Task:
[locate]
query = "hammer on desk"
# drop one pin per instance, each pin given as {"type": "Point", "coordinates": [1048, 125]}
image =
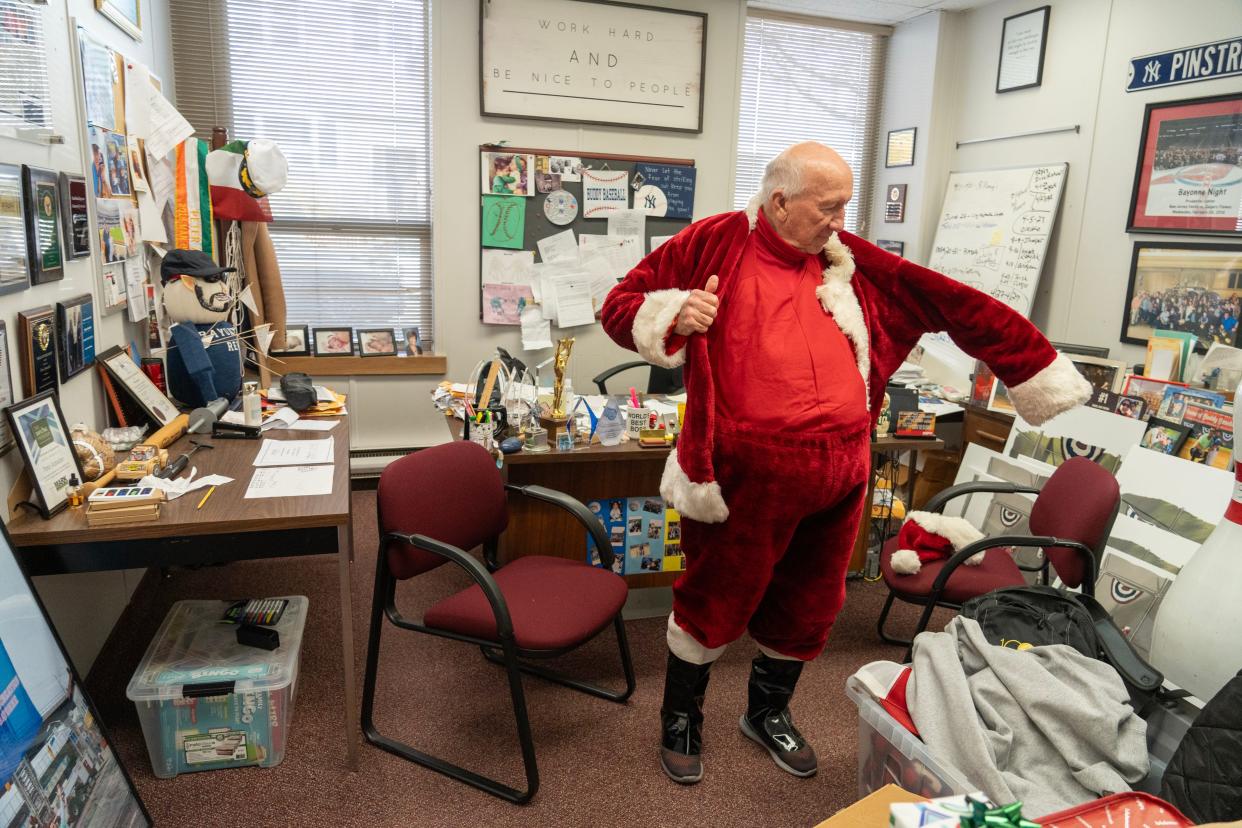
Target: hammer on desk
{"type": "Point", "coordinates": [177, 466]}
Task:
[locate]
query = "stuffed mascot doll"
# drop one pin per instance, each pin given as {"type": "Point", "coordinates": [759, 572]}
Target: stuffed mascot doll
{"type": "Point", "coordinates": [204, 358]}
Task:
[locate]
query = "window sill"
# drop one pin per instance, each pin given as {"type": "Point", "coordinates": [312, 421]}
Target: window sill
{"type": "Point", "coordinates": [346, 366]}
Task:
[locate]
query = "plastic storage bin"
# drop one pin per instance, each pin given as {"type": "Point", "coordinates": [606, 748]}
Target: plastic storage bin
{"type": "Point", "coordinates": [887, 752]}
{"type": "Point", "coordinates": [207, 702]}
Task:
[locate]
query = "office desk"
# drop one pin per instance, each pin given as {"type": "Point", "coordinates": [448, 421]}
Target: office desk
{"type": "Point", "coordinates": [227, 528]}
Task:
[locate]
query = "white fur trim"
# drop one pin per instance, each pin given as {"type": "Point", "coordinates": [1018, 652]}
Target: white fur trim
{"type": "Point", "coordinates": [752, 209]}
{"type": "Point", "coordinates": [957, 531]}
{"type": "Point", "coordinates": [687, 648]}
{"type": "Point", "coordinates": [770, 653]}
{"type": "Point", "coordinates": [652, 323]}
{"type": "Point", "coordinates": [703, 502]}
{"type": "Point", "coordinates": [836, 296]}
{"type": "Point", "coordinates": [1055, 389]}
{"type": "Point", "coordinates": [906, 562]}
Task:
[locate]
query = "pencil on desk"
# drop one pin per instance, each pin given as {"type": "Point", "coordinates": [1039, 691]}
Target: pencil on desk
{"type": "Point", "coordinates": [204, 500]}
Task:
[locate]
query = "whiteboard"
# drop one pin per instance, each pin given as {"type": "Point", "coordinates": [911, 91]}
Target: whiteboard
{"type": "Point", "coordinates": [994, 229]}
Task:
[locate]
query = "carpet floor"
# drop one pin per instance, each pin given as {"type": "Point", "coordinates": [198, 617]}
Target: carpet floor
{"type": "Point", "coordinates": [597, 760]}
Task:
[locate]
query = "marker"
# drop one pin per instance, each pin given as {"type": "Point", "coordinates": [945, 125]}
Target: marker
{"type": "Point", "coordinates": [633, 397]}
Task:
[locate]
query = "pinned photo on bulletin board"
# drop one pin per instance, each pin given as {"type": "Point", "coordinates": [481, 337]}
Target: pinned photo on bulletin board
{"type": "Point", "coordinates": [507, 173]}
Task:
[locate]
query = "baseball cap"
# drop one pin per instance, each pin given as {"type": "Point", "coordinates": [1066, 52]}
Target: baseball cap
{"type": "Point", "coordinates": [190, 263]}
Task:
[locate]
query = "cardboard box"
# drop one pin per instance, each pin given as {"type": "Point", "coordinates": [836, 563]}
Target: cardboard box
{"type": "Point", "coordinates": [871, 810]}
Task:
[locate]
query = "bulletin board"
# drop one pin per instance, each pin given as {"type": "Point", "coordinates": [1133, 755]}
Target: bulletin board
{"type": "Point", "coordinates": [676, 175]}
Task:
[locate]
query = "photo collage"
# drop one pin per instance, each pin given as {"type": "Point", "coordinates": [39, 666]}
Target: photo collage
{"type": "Point", "coordinates": [645, 535]}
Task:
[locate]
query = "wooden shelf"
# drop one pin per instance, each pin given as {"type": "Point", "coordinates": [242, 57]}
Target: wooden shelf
{"type": "Point", "coordinates": [347, 366]}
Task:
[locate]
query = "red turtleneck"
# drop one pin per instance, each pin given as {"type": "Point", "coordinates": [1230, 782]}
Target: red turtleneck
{"type": "Point", "coordinates": [779, 360]}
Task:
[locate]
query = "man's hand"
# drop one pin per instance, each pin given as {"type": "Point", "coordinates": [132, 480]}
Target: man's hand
{"type": "Point", "coordinates": [699, 312]}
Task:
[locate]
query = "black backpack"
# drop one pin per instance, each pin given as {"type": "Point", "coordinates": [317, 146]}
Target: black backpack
{"type": "Point", "coordinates": [1204, 777]}
{"type": "Point", "coordinates": [1022, 616]}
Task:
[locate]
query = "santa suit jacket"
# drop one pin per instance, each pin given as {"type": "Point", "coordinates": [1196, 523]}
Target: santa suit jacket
{"type": "Point", "coordinates": [882, 303]}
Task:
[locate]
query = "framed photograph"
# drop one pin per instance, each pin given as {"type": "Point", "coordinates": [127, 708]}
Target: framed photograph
{"type": "Point", "coordinates": [1186, 179]}
{"type": "Point", "coordinates": [126, 14]}
{"type": "Point", "coordinates": [377, 342]}
{"type": "Point", "coordinates": [57, 763]}
{"type": "Point", "coordinates": [899, 151]}
{"type": "Point", "coordinates": [334, 342]}
{"type": "Point", "coordinates": [1164, 436]}
{"type": "Point", "coordinates": [1023, 38]}
{"type": "Point", "coordinates": [74, 217]}
{"type": "Point", "coordinates": [36, 349]}
{"type": "Point", "coordinates": [1187, 287]}
{"type": "Point", "coordinates": [1151, 391]}
{"type": "Point", "coordinates": [14, 257]}
{"type": "Point", "coordinates": [897, 248]}
{"type": "Point", "coordinates": [297, 341]}
{"type": "Point", "coordinates": [40, 431]}
{"type": "Point", "coordinates": [75, 335]}
{"type": "Point", "coordinates": [999, 399]}
{"type": "Point", "coordinates": [42, 196]}
{"type": "Point", "coordinates": [131, 379]}
{"type": "Point", "coordinates": [413, 342]}
{"type": "Point", "coordinates": [895, 204]}
{"type": "Point", "coordinates": [593, 62]}
{"type": "Point", "coordinates": [1103, 374]}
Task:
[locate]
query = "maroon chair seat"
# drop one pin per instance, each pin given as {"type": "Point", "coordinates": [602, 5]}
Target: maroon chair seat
{"type": "Point", "coordinates": [997, 570]}
{"type": "Point", "coordinates": [554, 603]}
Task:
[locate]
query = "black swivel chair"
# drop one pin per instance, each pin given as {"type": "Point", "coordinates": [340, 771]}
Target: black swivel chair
{"type": "Point", "coordinates": [659, 381]}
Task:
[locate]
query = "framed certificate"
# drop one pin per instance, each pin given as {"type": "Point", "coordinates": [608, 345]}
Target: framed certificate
{"type": "Point", "coordinates": [134, 381]}
{"type": "Point", "coordinates": [47, 255]}
{"type": "Point", "coordinates": [14, 258]}
{"type": "Point", "coordinates": [39, 428]}
{"type": "Point", "coordinates": [899, 151]}
{"type": "Point", "coordinates": [1023, 37]}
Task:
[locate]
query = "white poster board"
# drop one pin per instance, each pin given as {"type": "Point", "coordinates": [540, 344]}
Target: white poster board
{"type": "Point", "coordinates": [599, 63]}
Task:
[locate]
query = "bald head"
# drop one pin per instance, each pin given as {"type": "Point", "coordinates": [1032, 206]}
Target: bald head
{"type": "Point", "coordinates": [804, 193]}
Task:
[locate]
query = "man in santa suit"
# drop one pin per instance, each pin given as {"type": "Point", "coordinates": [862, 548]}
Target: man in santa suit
{"type": "Point", "coordinates": [789, 328]}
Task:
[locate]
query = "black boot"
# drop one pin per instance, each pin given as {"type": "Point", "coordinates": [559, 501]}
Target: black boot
{"type": "Point", "coordinates": [681, 720]}
{"type": "Point", "coordinates": [767, 720]}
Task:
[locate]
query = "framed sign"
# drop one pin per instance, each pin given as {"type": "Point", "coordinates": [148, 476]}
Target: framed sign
{"type": "Point", "coordinates": [120, 367]}
{"type": "Point", "coordinates": [126, 14]}
{"type": "Point", "coordinates": [593, 62]}
{"type": "Point", "coordinates": [74, 217]}
{"type": "Point", "coordinates": [897, 248]}
{"type": "Point", "coordinates": [75, 335]}
{"type": "Point", "coordinates": [14, 258]}
{"type": "Point", "coordinates": [46, 253]}
{"type": "Point", "coordinates": [895, 204]}
{"type": "Point", "coordinates": [1186, 287]}
{"type": "Point", "coordinates": [1023, 38]}
{"type": "Point", "coordinates": [900, 148]}
{"type": "Point", "coordinates": [1189, 173]}
{"type": "Point", "coordinates": [36, 343]}
{"type": "Point", "coordinates": [40, 431]}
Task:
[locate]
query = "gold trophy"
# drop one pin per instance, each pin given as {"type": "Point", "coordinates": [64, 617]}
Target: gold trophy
{"type": "Point", "coordinates": [556, 417]}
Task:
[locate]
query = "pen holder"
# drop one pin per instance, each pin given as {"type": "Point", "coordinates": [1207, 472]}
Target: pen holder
{"type": "Point", "coordinates": [481, 433]}
{"type": "Point", "coordinates": [637, 421]}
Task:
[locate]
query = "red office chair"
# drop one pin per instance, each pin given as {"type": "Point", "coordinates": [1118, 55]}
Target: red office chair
{"type": "Point", "coordinates": [434, 505]}
{"type": "Point", "coordinates": [1071, 519]}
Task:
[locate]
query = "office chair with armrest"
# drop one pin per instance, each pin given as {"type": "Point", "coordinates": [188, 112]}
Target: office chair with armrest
{"type": "Point", "coordinates": [435, 504]}
{"type": "Point", "coordinates": [1071, 520]}
{"type": "Point", "coordinates": [659, 381]}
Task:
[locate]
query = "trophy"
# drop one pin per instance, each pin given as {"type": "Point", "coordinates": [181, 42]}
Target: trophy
{"type": "Point", "coordinates": [556, 417]}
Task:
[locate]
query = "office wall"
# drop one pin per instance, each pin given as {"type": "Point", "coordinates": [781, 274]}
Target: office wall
{"type": "Point", "coordinates": [83, 607]}
{"type": "Point", "coordinates": [396, 411]}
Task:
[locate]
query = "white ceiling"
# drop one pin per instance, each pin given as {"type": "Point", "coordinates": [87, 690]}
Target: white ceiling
{"type": "Point", "coordinates": [868, 11]}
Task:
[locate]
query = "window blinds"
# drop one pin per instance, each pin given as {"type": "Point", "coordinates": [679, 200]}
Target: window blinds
{"type": "Point", "coordinates": [344, 89]}
{"type": "Point", "coordinates": [24, 95]}
{"type": "Point", "coordinates": [803, 80]}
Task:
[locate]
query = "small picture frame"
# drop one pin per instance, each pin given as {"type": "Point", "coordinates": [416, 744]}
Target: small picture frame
{"type": "Point", "coordinates": [1164, 436]}
{"type": "Point", "coordinates": [999, 401]}
{"type": "Point", "coordinates": [897, 248]}
{"type": "Point", "coordinates": [1103, 374]}
{"type": "Point", "coordinates": [39, 428]}
{"type": "Point", "coordinates": [895, 204]}
{"type": "Point", "coordinates": [122, 370]}
{"type": "Point", "coordinates": [126, 14]}
{"type": "Point", "coordinates": [373, 342]}
{"type": "Point", "coordinates": [42, 199]}
{"type": "Point", "coordinates": [297, 341]}
{"type": "Point", "coordinates": [334, 342]}
{"type": "Point", "coordinates": [75, 335]}
{"type": "Point", "coordinates": [74, 216]}
{"type": "Point", "coordinates": [413, 342]}
{"type": "Point", "coordinates": [14, 241]}
{"type": "Point", "coordinates": [899, 149]}
{"type": "Point", "coordinates": [1021, 61]}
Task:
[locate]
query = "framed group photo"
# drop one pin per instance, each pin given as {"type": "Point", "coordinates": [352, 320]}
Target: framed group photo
{"type": "Point", "coordinates": [1188, 287]}
{"type": "Point", "coordinates": [1188, 178]}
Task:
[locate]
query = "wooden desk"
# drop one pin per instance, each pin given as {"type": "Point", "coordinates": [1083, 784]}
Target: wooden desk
{"type": "Point", "coordinates": [228, 528]}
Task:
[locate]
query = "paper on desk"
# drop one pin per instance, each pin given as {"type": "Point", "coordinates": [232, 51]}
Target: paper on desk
{"type": "Point", "coordinates": [627, 223]}
{"type": "Point", "coordinates": [290, 481]}
{"type": "Point", "coordinates": [656, 241]}
{"type": "Point", "coordinates": [573, 301]}
{"type": "Point", "coordinates": [295, 452]}
{"type": "Point", "coordinates": [508, 267]}
{"type": "Point", "coordinates": [536, 331]}
{"type": "Point", "coordinates": [559, 247]}
{"type": "Point", "coordinates": [167, 126]}
{"type": "Point", "coordinates": [322, 394]}
{"type": "Point", "coordinates": [175, 488]}
{"type": "Point", "coordinates": [281, 418]}
{"type": "Point", "coordinates": [311, 425]}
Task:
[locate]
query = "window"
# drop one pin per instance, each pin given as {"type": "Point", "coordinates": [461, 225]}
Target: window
{"type": "Point", "coordinates": [24, 96]}
{"type": "Point", "coordinates": [805, 80]}
{"type": "Point", "coordinates": [344, 88]}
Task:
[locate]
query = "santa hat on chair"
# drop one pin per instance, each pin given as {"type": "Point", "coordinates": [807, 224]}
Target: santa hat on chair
{"type": "Point", "coordinates": [928, 536]}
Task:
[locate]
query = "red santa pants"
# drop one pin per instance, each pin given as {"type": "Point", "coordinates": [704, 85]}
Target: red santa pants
{"type": "Point", "coordinates": [777, 566]}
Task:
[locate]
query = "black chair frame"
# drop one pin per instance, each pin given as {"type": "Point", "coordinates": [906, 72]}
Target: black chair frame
{"type": "Point", "coordinates": [933, 599]}
{"type": "Point", "coordinates": [659, 380]}
{"type": "Point", "coordinates": [503, 651]}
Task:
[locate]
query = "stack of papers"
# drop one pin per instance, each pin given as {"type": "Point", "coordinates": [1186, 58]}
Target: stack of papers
{"type": "Point", "coordinates": [293, 468]}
